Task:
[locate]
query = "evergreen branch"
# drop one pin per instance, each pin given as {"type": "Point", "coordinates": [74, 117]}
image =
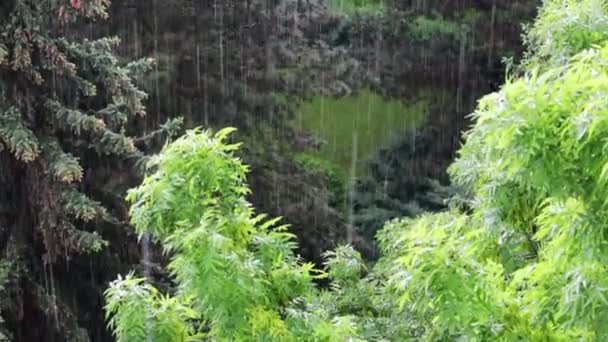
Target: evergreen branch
{"type": "Point", "coordinates": [54, 59]}
{"type": "Point", "coordinates": [81, 241]}
{"type": "Point", "coordinates": [131, 97]}
{"type": "Point", "coordinates": [114, 143]}
{"type": "Point", "coordinates": [74, 120]}
{"type": "Point", "coordinates": [80, 206]}
{"type": "Point", "coordinates": [113, 115]}
{"type": "Point", "coordinates": [170, 128]}
{"type": "Point", "coordinates": [19, 139]}
{"type": "Point", "coordinates": [64, 166]}
{"type": "Point", "coordinates": [106, 70]}
{"type": "Point", "coordinates": [86, 87]}
{"type": "Point", "coordinates": [140, 67]}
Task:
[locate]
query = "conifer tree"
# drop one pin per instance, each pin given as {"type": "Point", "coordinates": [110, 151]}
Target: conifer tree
{"type": "Point", "coordinates": [65, 108]}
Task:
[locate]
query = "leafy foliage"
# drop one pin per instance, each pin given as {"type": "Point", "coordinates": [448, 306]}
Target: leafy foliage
{"type": "Point", "coordinates": [235, 270]}
{"type": "Point", "coordinates": [146, 314]}
{"type": "Point", "coordinates": [572, 26]}
{"type": "Point", "coordinates": [527, 262]}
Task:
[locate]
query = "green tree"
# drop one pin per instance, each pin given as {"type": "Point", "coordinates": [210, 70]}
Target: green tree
{"type": "Point", "coordinates": [237, 276]}
{"type": "Point", "coordinates": [65, 108]}
{"type": "Point", "coordinates": [528, 262]}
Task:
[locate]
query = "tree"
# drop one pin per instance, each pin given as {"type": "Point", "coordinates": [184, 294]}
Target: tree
{"type": "Point", "coordinates": [528, 261]}
{"type": "Point", "coordinates": [65, 108]}
{"type": "Point", "coordinates": [237, 276]}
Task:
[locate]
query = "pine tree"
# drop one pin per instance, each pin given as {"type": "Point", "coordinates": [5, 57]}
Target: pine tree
{"type": "Point", "coordinates": [65, 108]}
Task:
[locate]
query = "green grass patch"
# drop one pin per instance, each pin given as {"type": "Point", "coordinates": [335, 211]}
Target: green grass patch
{"type": "Point", "coordinates": [365, 118]}
{"type": "Point", "coordinates": [356, 6]}
{"type": "Point", "coordinates": [426, 29]}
